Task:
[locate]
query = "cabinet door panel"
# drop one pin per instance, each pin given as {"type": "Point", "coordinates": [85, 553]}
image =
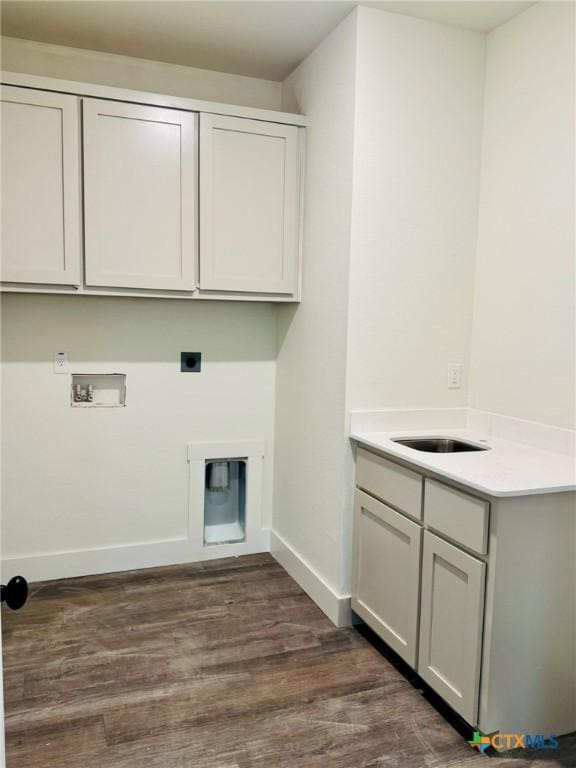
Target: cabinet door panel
{"type": "Point", "coordinates": [40, 187]}
{"type": "Point", "coordinates": [386, 573]}
{"type": "Point", "coordinates": [451, 620]}
{"type": "Point", "coordinates": [249, 205]}
{"type": "Point", "coordinates": [139, 180]}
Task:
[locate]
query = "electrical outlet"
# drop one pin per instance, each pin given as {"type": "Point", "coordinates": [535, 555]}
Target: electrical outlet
{"type": "Point", "coordinates": [454, 375]}
{"type": "Point", "coordinates": [61, 363]}
{"type": "Point", "coordinates": [190, 362]}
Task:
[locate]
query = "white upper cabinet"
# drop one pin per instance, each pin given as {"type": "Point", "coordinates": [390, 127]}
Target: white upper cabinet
{"type": "Point", "coordinates": [249, 206]}
{"type": "Point", "coordinates": [139, 196]}
{"type": "Point", "coordinates": [104, 195]}
{"type": "Point", "coordinates": [40, 188]}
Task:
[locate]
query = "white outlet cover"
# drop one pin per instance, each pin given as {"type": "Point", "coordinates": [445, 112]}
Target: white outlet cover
{"type": "Point", "coordinates": [61, 363]}
{"type": "Point", "coordinates": [454, 375]}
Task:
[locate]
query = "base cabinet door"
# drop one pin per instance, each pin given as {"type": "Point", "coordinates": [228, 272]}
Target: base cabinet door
{"type": "Point", "coordinates": [40, 187]}
{"type": "Point", "coordinates": [386, 573]}
{"type": "Point", "coordinates": [249, 205]}
{"type": "Point", "coordinates": [451, 620]}
{"type": "Point", "coordinates": [139, 196]}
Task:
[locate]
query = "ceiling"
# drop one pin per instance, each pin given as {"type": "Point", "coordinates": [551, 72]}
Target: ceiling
{"type": "Point", "coordinates": [259, 39]}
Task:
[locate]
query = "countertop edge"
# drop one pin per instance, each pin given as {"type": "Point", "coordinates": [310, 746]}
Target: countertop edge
{"type": "Point", "coordinates": [440, 472]}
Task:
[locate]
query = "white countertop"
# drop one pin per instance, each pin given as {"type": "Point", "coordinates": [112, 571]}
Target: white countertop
{"type": "Point", "coordinates": [507, 469]}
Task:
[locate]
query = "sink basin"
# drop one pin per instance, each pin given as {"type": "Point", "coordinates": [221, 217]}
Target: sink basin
{"type": "Point", "coordinates": [438, 444]}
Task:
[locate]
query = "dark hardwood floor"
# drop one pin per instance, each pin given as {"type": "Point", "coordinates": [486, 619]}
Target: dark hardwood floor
{"type": "Point", "coordinates": [226, 664]}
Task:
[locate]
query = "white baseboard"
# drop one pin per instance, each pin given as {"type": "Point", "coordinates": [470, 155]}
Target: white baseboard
{"type": "Point", "coordinates": [63, 565]}
{"type": "Point", "coordinates": [336, 607]}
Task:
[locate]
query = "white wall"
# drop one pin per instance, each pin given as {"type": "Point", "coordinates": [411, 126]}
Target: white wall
{"type": "Point", "coordinates": [393, 155]}
{"type": "Point", "coordinates": [77, 479]}
{"type": "Point", "coordinates": [313, 477]}
{"type": "Point", "coordinates": [395, 110]}
{"type": "Point", "coordinates": [66, 63]}
{"type": "Point", "coordinates": [419, 88]}
{"type": "Point", "coordinates": [524, 341]}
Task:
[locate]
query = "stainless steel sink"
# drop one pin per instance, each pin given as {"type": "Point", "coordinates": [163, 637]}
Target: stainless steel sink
{"type": "Point", "coordinates": [439, 444]}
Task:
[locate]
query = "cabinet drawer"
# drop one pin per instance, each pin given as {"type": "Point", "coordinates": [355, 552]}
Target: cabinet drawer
{"type": "Point", "coordinates": [461, 517]}
{"type": "Point", "coordinates": [390, 482]}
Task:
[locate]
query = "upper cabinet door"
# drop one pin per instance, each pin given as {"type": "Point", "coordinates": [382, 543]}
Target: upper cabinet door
{"type": "Point", "coordinates": [249, 205]}
{"type": "Point", "coordinates": [40, 187]}
{"type": "Point", "coordinates": [139, 196]}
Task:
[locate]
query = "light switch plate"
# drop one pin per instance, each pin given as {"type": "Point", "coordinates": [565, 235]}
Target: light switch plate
{"type": "Point", "coordinates": [454, 375]}
{"type": "Point", "coordinates": [61, 363]}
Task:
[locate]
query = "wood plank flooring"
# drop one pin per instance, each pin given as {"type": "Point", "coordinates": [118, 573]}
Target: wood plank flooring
{"type": "Point", "coordinates": [225, 664]}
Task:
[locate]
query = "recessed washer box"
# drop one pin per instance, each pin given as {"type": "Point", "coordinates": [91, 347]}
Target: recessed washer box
{"type": "Point", "coordinates": [98, 390]}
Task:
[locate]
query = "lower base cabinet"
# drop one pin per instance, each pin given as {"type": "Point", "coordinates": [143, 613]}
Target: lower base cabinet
{"type": "Point", "coordinates": [386, 574]}
{"type": "Point", "coordinates": [475, 593]}
{"type": "Point", "coordinates": [451, 619]}
{"type": "Point", "coordinates": [424, 597]}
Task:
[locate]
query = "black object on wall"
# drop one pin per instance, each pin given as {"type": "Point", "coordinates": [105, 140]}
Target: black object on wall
{"type": "Point", "coordinates": [190, 362]}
